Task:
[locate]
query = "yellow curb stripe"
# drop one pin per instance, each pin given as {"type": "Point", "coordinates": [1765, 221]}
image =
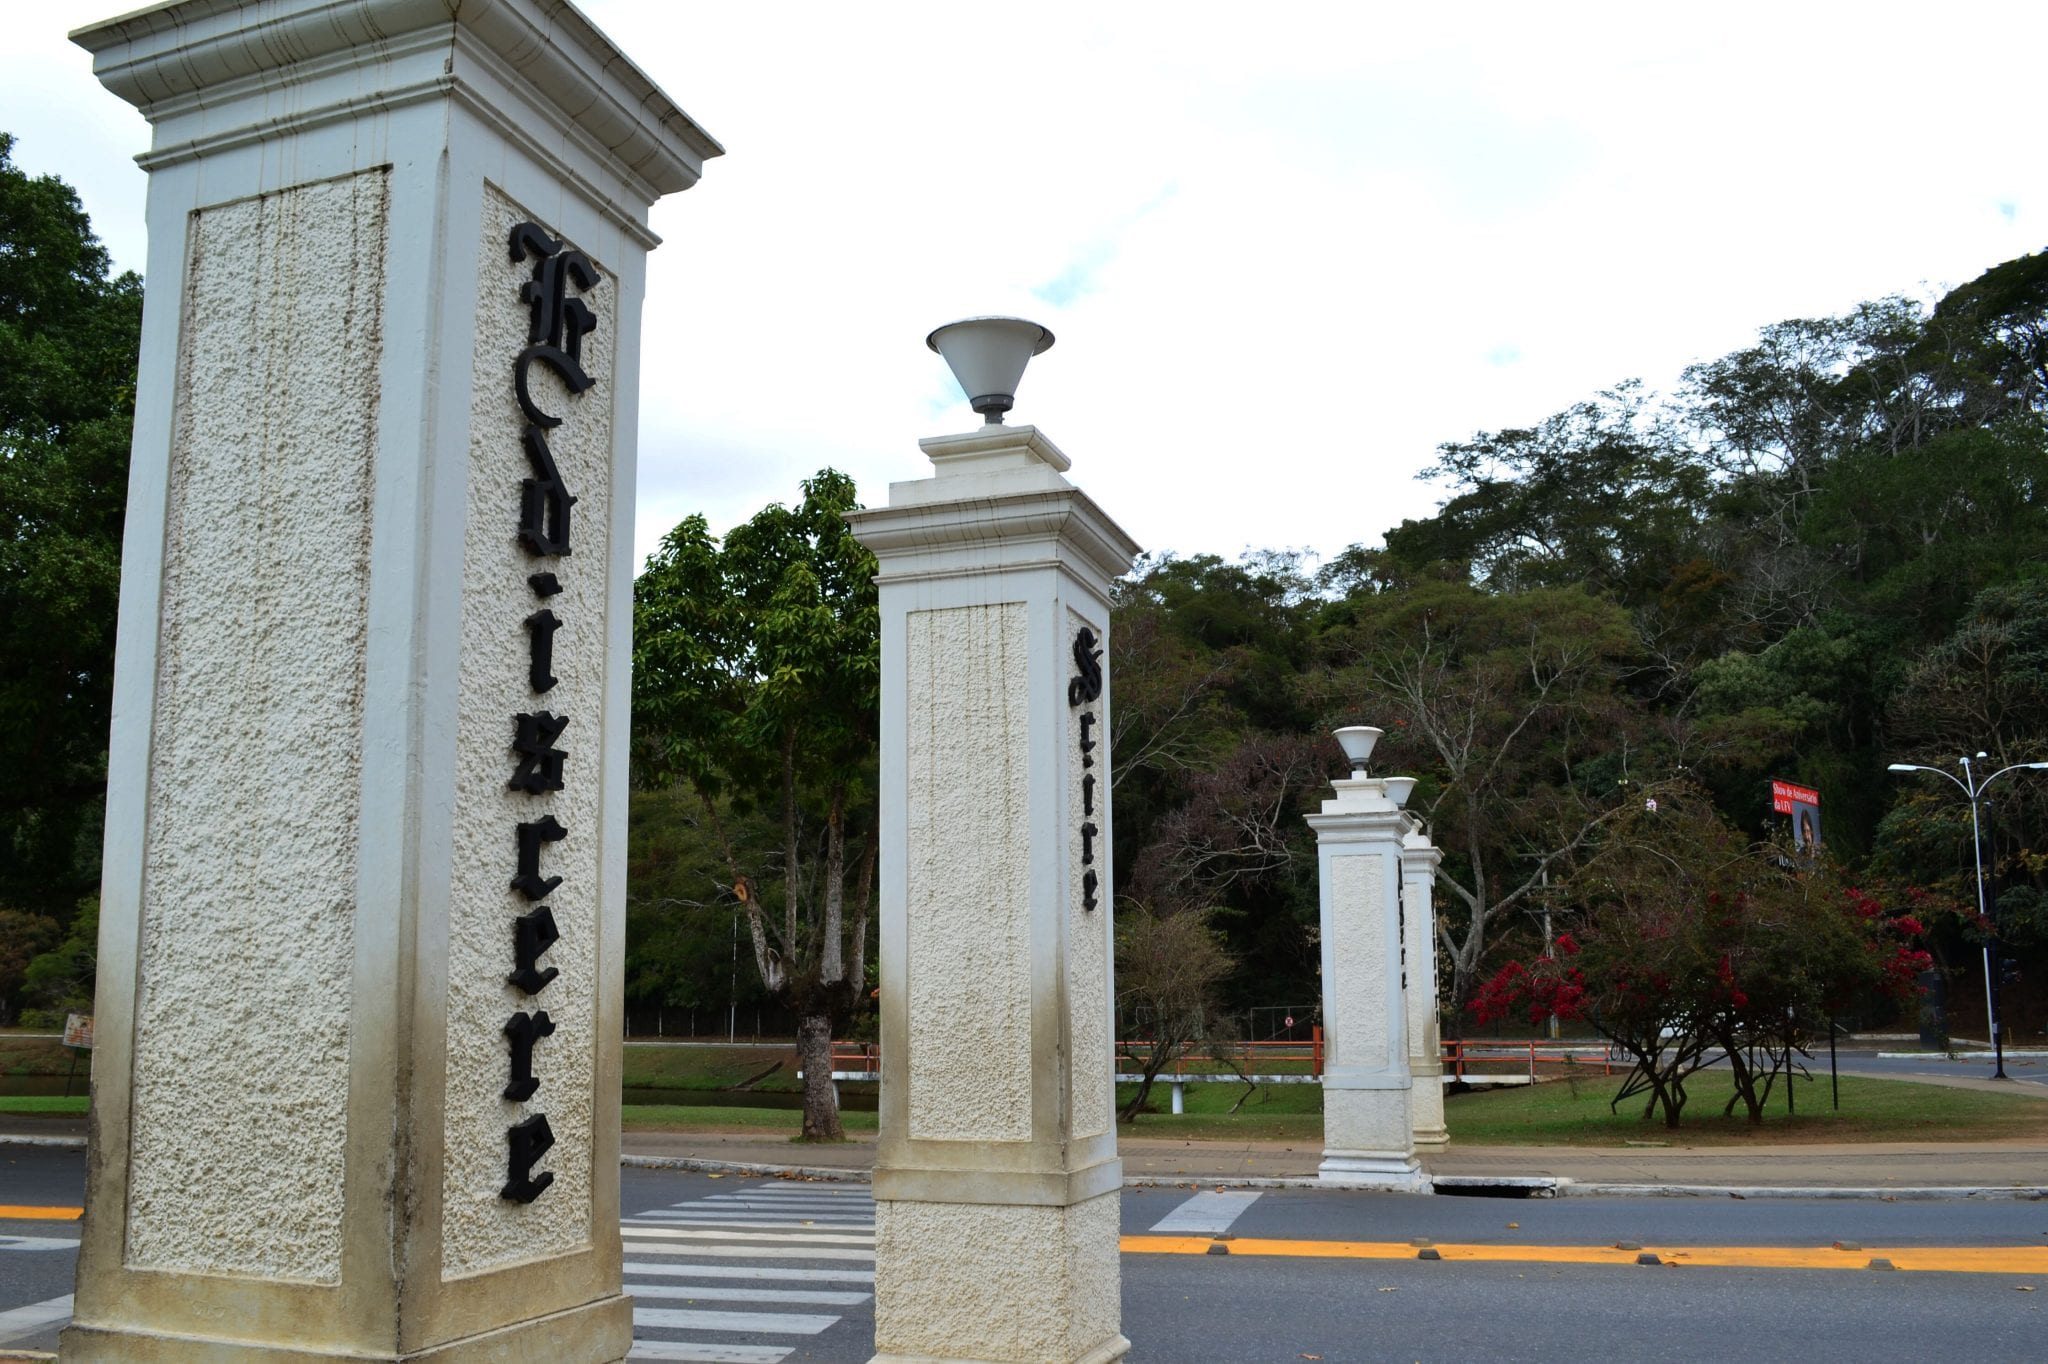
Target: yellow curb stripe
{"type": "Point", "coordinates": [1948, 1259]}
{"type": "Point", "coordinates": [18, 1212]}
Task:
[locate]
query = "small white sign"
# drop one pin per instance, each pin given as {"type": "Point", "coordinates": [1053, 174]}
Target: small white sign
{"type": "Point", "coordinates": [78, 1031]}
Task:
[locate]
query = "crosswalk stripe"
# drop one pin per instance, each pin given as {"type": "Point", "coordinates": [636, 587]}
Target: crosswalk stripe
{"type": "Point", "coordinates": [16, 1322]}
{"type": "Point", "coordinates": [38, 1243]}
{"type": "Point", "coordinates": [749, 1252]}
{"type": "Point", "coordinates": [823, 1238]}
{"type": "Point", "coordinates": [1206, 1214]}
{"type": "Point", "coordinates": [751, 1272]}
{"type": "Point", "coordinates": [697, 1292]}
{"type": "Point", "coordinates": [843, 1211]}
{"type": "Point", "coordinates": [632, 1224]}
{"type": "Point", "coordinates": [749, 1323]}
{"type": "Point", "coordinates": [709, 1354]}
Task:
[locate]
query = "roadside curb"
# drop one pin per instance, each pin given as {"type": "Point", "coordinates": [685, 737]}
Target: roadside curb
{"type": "Point", "coordinates": [746, 1167]}
{"type": "Point", "coordinates": [1507, 1186]}
{"type": "Point", "coordinates": [1980, 1192]}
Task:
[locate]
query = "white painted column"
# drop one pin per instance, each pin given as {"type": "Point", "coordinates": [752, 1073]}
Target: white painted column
{"type": "Point", "coordinates": [337, 1032]}
{"type": "Point", "coordinates": [1419, 859]}
{"type": "Point", "coordinates": [1368, 1123]}
{"type": "Point", "coordinates": [996, 1177]}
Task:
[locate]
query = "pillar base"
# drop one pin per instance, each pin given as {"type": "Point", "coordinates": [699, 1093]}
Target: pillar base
{"type": "Point", "coordinates": [598, 1332]}
{"type": "Point", "coordinates": [1435, 1136]}
{"type": "Point", "coordinates": [1109, 1352]}
{"type": "Point", "coordinates": [1374, 1170]}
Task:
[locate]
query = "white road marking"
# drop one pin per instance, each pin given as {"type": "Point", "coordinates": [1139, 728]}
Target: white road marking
{"type": "Point", "coordinates": [751, 1272]}
{"type": "Point", "coordinates": [748, 1252]}
{"type": "Point", "coordinates": [697, 1292]}
{"type": "Point", "coordinates": [709, 1217]}
{"type": "Point", "coordinates": [751, 1323]}
{"type": "Point", "coordinates": [38, 1243]}
{"type": "Point", "coordinates": [827, 1238]}
{"type": "Point", "coordinates": [1206, 1214]}
{"type": "Point", "coordinates": [17, 1322]}
{"type": "Point", "coordinates": [709, 1354]}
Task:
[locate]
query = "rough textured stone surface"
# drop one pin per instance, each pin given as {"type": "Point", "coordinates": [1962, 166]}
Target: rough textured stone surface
{"type": "Point", "coordinates": [1091, 1081]}
{"type": "Point", "coordinates": [969, 876]}
{"type": "Point", "coordinates": [1356, 1036]}
{"type": "Point", "coordinates": [1017, 1285]}
{"type": "Point", "coordinates": [481, 1230]}
{"type": "Point", "coordinates": [246, 953]}
{"type": "Point", "coordinates": [1367, 1120]}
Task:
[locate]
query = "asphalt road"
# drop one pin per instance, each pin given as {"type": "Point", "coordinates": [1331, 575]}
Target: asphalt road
{"type": "Point", "coordinates": [793, 1281]}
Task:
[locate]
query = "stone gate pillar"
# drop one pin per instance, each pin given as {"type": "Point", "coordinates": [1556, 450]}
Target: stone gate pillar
{"type": "Point", "coordinates": [356, 1094]}
{"type": "Point", "coordinates": [1368, 1122]}
{"type": "Point", "coordinates": [996, 1178]}
{"type": "Point", "coordinates": [1419, 859]}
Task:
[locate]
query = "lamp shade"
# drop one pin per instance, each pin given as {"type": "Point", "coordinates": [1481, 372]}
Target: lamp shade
{"type": "Point", "coordinates": [1399, 789]}
{"type": "Point", "coordinates": [1357, 742]}
{"type": "Point", "coordinates": [987, 355]}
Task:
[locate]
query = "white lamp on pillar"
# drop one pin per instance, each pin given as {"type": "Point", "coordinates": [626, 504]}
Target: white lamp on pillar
{"type": "Point", "coordinates": [987, 355]}
{"type": "Point", "coordinates": [1399, 789]}
{"type": "Point", "coordinates": [1357, 742]}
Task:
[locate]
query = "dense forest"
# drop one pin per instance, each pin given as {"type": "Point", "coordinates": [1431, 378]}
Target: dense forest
{"type": "Point", "coordinates": [1818, 556]}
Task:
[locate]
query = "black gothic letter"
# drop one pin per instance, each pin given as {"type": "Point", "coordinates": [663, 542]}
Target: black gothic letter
{"type": "Point", "coordinates": [540, 762]}
{"type": "Point", "coordinates": [1088, 659]}
{"type": "Point", "coordinates": [525, 1030]}
{"type": "Point", "coordinates": [1088, 833]}
{"type": "Point", "coordinates": [533, 934]}
{"type": "Point", "coordinates": [529, 882]}
{"type": "Point", "coordinates": [542, 624]}
{"type": "Point", "coordinates": [1088, 884]}
{"type": "Point", "coordinates": [544, 501]}
{"type": "Point", "coordinates": [529, 1141]}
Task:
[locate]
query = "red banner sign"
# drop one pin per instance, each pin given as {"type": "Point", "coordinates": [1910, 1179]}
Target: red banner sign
{"type": "Point", "coordinates": [1784, 795]}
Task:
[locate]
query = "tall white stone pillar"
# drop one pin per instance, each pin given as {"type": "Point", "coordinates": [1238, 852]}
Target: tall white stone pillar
{"type": "Point", "coordinates": [1368, 1122]}
{"type": "Point", "coordinates": [996, 1177]}
{"type": "Point", "coordinates": [1419, 859]}
{"type": "Point", "coordinates": [356, 1092]}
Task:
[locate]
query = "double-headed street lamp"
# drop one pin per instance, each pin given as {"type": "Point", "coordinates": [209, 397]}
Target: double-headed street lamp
{"type": "Point", "coordinates": [1973, 788]}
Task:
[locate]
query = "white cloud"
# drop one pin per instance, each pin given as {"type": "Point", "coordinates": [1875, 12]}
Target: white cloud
{"type": "Point", "coordinates": [1285, 254]}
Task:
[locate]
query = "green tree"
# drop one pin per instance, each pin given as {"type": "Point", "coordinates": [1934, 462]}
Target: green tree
{"type": "Point", "coordinates": [1513, 710]}
{"type": "Point", "coordinates": [756, 673]}
{"type": "Point", "coordinates": [69, 332]}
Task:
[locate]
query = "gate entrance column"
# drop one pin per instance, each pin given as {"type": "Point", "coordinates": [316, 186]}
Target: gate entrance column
{"type": "Point", "coordinates": [357, 1089]}
{"type": "Point", "coordinates": [1368, 1119]}
{"type": "Point", "coordinates": [996, 1178]}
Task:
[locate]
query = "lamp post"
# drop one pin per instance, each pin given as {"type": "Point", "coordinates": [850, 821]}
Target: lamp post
{"type": "Point", "coordinates": [1974, 789]}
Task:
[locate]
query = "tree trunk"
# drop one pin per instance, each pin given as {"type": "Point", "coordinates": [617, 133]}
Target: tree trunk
{"type": "Point", "coordinates": [821, 1102]}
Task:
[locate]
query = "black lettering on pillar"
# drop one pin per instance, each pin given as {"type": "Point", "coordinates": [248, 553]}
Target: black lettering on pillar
{"type": "Point", "coordinates": [558, 321]}
{"type": "Point", "coordinates": [540, 762]}
{"type": "Point", "coordinates": [529, 882]}
{"type": "Point", "coordinates": [1084, 688]}
{"type": "Point", "coordinates": [544, 500]}
{"type": "Point", "coordinates": [532, 934]}
{"type": "Point", "coordinates": [529, 1141]}
{"type": "Point", "coordinates": [541, 627]}
{"type": "Point", "coordinates": [525, 1030]}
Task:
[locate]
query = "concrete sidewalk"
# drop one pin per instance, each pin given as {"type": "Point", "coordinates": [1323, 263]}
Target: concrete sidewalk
{"type": "Point", "coordinates": [1875, 1166]}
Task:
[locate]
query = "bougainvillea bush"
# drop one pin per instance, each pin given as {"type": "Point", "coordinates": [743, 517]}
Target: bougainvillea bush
{"type": "Point", "coordinates": [1689, 943]}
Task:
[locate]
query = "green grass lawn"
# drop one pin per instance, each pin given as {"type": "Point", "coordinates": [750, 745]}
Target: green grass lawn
{"type": "Point", "coordinates": [43, 1105]}
{"type": "Point", "coordinates": [1559, 1112]}
{"type": "Point", "coordinates": [1576, 1113]}
{"type": "Point", "coordinates": [659, 1067]}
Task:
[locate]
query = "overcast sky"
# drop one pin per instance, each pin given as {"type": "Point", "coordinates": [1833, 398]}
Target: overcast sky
{"type": "Point", "coordinates": [1286, 250]}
